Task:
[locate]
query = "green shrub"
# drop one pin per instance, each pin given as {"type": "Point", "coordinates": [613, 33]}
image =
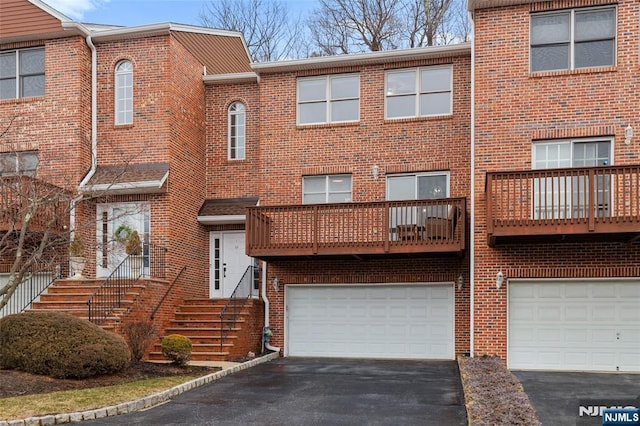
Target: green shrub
{"type": "Point", "coordinates": [59, 345]}
{"type": "Point", "coordinates": [177, 348]}
{"type": "Point", "coordinates": [139, 335]}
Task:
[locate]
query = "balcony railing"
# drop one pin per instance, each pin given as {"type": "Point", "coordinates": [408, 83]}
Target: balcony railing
{"type": "Point", "coordinates": [601, 202]}
{"type": "Point", "coordinates": [358, 229]}
{"type": "Point", "coordinates": [47, 205]}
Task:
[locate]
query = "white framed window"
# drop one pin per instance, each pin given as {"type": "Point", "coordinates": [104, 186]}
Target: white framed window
{"type": "Point", "coordinates": [419, 92]}
{"type": "Point", "coordinates": [236, 131]}
{"type": "Point", "coordinates": [566, 195]}
{"type": "Point", "coordinates": [328, 99]}
{"type": "Point", "coordinates": [22, 73]}
{"type": "Point", "coordinates": [418, 186]}
{"type": "Point", "coordinates": [124, 92]}
{"type": "Point", "coordinates": [572, 39]}
{"type": "Point", "coordinates": [326, 189]}
{"type": "Point", "coordinates": [19, 163]}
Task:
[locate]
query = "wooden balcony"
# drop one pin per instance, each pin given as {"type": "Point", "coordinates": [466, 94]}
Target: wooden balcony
{"type": "Point", "coordinates": [388, 228]}
{"type": "Point", "coordinates": [571, 204]}
{"type": "Point", "coordinates": [46, 205]}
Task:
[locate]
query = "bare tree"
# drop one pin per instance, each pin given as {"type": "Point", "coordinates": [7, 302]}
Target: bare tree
{"type": "Point", "coordinates": [348, 26]}
{"type": "Point", "coordinates": [270, 32]}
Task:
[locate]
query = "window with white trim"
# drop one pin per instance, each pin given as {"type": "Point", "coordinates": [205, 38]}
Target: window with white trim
{"type": "Point", "coordinates": [566, 195]}
{"type": "Point", "coordinates": [329, 99]}
{"type": "Point", "coordinates": [326, 189]}
{"type": "Point", "coordinates": [419, 92]}
{"type": "Point", "coordinates": [22, 73]}
{"type": "Point", "coordinates": [417, 186]}
{"type": "Point", "coordinates": [124, 92]}
{"type": "Point", "coordinates": [19, 163]}
{"type": "Point", "coordinates": [572, 39]}
{"type": "Point", "coordinates": [237, 131]}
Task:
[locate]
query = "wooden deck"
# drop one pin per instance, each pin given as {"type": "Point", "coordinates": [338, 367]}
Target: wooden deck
{"type": "Point", "coordinates": [357, 229]}
{"type": "Point", "coordinates": [582, 203]}
{"type": "Point", "coordinates": [46, 205]}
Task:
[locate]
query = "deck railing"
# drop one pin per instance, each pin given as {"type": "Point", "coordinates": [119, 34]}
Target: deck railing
{"type": "Point", "coordinates": [580, 200]}
{"type": "Point", "coordinates": [48, 205]}
{"type": "Point", "coordinates": [376, 228]}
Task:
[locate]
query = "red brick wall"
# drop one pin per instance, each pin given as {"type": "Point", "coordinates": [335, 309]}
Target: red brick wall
{"type": "Point", "coordinates": [57, 125]}
{"type": "Point", "coordinates": [514, 108]}
{"type": "Point", "coordinates": [288, 152]}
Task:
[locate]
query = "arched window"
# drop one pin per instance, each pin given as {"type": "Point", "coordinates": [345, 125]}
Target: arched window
{"type": "Point", "coordinates": [124, 93]}
{"type": "Point", "coordinates": [237, 131]}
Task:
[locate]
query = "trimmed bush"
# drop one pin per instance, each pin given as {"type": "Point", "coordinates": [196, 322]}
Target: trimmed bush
{"type": "Point", "coordinates": [177, 348]}
{"type": "Point", "coordinates": [59, 345]}
{"type": "Point", "coordinates": [139, 335]}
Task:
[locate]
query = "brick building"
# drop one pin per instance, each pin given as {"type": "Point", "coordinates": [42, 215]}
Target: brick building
{"type": "Point", "coordinates": [423, 203]}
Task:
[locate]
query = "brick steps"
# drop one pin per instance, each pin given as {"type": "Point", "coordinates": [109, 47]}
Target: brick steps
{"type": "Point", "coordinates": [71, 296]}
{"type": "Point", "coordinates": [199, 320]}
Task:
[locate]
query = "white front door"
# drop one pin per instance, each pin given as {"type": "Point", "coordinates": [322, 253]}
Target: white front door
{"type": "Point", "coordinates": [228, 262]}
{"type": "Point", "coordinates": [110, 218]}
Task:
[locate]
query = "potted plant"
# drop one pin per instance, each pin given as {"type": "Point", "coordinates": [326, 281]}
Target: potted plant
{"type": "Point", "coordinates": [134, 250]}
{"type": "Point", "coordinates": [76, 257]}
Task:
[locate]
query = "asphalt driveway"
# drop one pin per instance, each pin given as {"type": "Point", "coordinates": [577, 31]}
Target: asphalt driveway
{"type": "Point", "coordinates": [311, 391]}
{"type": "Point", "coordinates": [557, 396]}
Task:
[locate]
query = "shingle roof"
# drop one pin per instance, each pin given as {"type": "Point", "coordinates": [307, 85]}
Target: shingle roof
{"type": "Point", "coordinates": [226, 206]}
{"type": "Point", "coordinates": [219, 54]}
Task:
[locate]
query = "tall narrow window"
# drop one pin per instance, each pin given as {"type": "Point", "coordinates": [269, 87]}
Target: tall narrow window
{"type": "Point", "coordinates": [237, 131]}
{"type": "Point", "coordinates": [124, 93]}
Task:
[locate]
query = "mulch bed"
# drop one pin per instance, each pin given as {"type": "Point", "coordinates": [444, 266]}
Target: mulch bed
{"type": "Point", "coordinates": [493, 395]}
{"type": "Point", "coordinates": [17, 383]}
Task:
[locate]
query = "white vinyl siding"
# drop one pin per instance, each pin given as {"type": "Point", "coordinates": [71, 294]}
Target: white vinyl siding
{"type": "Point", "coordinates": [328, 99]}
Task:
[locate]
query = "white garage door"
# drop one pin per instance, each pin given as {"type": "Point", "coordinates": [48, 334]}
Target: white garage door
{"type": "Point", "coordinates": [371, 321]}
{"type": "Point", "coordinates": [574, 325]}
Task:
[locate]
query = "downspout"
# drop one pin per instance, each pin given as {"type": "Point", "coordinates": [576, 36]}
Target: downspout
{"type": "Point", "coordinates": [266, 331]}
{"type": "Point", "coordinates": [473, 192]}
{"type": "Point", "coordinates": [94, 132]}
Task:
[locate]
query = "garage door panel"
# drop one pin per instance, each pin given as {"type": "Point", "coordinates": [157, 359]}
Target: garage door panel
{"type": "Point", "coordinates": [573, 325]}
{"type": "Point", "coordinates": [411, 321]}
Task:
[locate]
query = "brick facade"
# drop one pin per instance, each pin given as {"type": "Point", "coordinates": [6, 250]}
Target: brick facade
{"type": "Point", "coordinates": [513, 109]}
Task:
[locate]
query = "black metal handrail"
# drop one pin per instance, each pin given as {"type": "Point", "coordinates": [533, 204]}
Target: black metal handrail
{"type": "Point", "coordinates": [35, 283]}
{"type": "Point", "coordinates": [231, 310]}
{"type": "Point", "coordinates": [110, 294]}
{"type": "Point", "coordinates": [166, 293]}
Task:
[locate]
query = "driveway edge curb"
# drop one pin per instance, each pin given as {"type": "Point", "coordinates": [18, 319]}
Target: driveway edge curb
{"type": "Point", "coordinates": [139, 404]}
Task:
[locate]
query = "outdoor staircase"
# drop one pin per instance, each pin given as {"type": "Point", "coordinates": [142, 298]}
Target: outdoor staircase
{"type": "Point", "coordinates": [70, 296]}
{"type": "Point", "coordinates": [199, 320]}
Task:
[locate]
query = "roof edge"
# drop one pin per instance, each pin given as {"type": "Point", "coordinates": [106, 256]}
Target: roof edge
{"type": "Point", "coordinates": [50, 10]}
{"type": "Point", "coordinates": [158, 29]}
{"type": "Point", "coordinates": [363, 58]}
{"type": "Point", "coordinates": [473, 5]}
{"type": "Point", "coordinates": [240, 77]}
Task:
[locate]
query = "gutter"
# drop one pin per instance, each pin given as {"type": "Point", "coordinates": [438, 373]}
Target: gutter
{"type": "Point", "coordinates": [473, 194]}
{"type": "Point", "coordinates": [266, 310]}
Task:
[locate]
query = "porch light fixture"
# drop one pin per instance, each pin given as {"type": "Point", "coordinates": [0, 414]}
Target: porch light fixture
{"type": "Point", "coordinates": [460, 282]}
{"type": "Point", "coordinates": [499, 279]}
{"type": "Point", "coordinates": [628, 134]}
{"type": "Point", "coordinates": [276, 284]}
{"type": "Point", "coordinates": [375, 171]}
